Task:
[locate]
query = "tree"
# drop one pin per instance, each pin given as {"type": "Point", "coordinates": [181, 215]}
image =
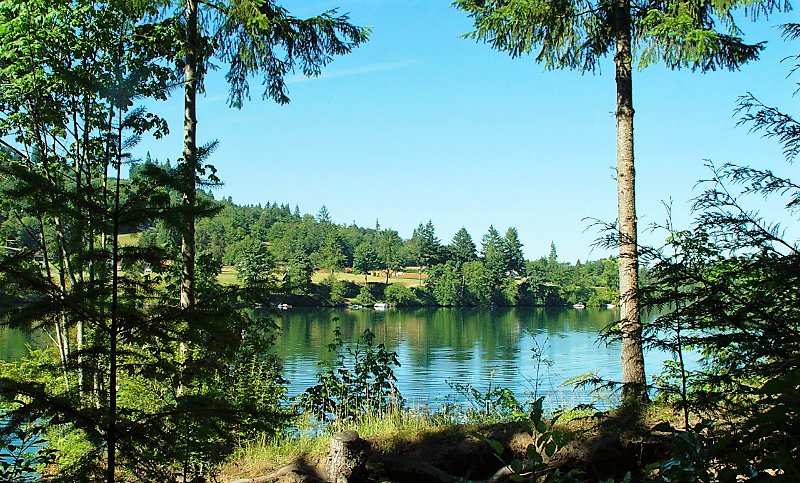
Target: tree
{"type": "Point", "coordinates": [426, 246]}
{"type": "Point", "coordinates": [254, 264]}
{"type": "Point", "coordinates": [389, 251]}
{"type": "Point", "coordinates": [462, 249]}
{"type": "Point", "coordinates": [252, 38]}
{"type": "Point", "coordinates": [493, 256]}
{"type": "Point", "coordinates": [729, 284]}
{"type": "Point", "coordinates": [298, 273]}
{"type": "Point", "coordinates": [332, 252]}
{"type": "Point", "coordinates": [478, 282]}
{"type": "Point", "coordinates": [70, 73]}
{"type": "Point", "coordinates": [576, 35]}
{"type": "Point", "coordinates": [512, 249]}
{"type": "Point", "coordinates": [365, 259]}
{"type": "Point", "coordinates": [446, 284]}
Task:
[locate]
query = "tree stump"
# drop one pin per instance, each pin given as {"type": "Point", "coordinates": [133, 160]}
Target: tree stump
{"type": "Point", "coordinates": [346, 458]}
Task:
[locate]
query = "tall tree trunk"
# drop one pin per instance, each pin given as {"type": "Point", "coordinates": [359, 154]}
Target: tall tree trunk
{"type": "Point", "coordinates": [632, 356]}
{"type": "Point", "coordinates": [189, 155]}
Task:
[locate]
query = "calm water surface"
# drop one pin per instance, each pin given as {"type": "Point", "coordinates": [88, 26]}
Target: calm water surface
{"type": "Point", "coordinates": [477, 346]}
{"type": "Point", "coordinates": [448, 345]}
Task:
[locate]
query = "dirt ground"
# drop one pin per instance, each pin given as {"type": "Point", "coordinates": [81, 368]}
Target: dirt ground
{"type": "Point", "coordinates": [602, 447]}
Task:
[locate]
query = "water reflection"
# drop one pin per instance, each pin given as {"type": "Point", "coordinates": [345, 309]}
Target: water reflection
{"type": "Point", "coordinates": [440, 345]}
{"type": "Point", "coordinates": [469, 346]}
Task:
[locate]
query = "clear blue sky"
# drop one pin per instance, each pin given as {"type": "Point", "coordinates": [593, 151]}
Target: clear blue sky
{"type": "Point", "coordinates": [420, 124]}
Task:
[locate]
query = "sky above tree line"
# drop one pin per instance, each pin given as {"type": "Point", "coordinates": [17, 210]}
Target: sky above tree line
{"type": "Point", "coordinates": [419, 124]}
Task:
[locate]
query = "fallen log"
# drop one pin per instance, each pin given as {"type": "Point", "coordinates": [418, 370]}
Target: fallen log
{"type": "Point", "coordinates": [294, 467]}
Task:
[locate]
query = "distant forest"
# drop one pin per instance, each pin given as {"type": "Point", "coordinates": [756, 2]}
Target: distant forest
{"type": "Point", "coordinates": [279, 245]}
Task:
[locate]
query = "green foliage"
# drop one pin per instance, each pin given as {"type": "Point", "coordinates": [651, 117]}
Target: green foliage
{"type": "Point", "coordinates": [446, 284]}
{"type": "Point", "coordinates": [462, 249]}
{"type": "Point", "coordinates": [425, 245]}
{"type": "Point", "coordinates": [729, 286]}
{"type": "Point", "coordinates": [366, 296]}
{"type": "Point", "coordinates": [548, 441]}
{"type": "Point", "coordinates": [401, 296]}
{"type": "Point", "coordinates": [495, 403]}
{"type": "Point", "coordinates": [134, 385]}
{"type": "Point", "coordinates": [254, 264]}
{"type": "Point", "coordinates": [366, 259]}
{"type": "Point", "coordinates": [359, 381]}
{"type": "Point", "coordinates": [575, 35]}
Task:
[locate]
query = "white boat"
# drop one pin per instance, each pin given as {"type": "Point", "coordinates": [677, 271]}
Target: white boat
{"type": "Point", "coordinates": [610, 306]}
{"type": "Point", "coordinates": [579, 305]}
{"type": "Point", "coordinates": [381, 306]}
{"type": "Point", "coordinates": [354, 307]}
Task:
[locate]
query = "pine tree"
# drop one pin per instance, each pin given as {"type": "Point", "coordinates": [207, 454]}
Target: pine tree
{"type": "Point", "coordinates": [462, 249]}
{"type": "Point", "coordinates": [253, 38]}
{"type": "Point", "coordinates": [576, 35]}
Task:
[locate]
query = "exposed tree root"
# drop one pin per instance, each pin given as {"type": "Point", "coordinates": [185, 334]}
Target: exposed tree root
{"type": "Point", "coordinates": [293, 467]}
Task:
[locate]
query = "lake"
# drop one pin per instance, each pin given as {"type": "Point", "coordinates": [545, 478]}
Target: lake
{"type": "Point", "coordinates": [440, 346]}
{"type": "Point", "coordinates": [477, 346]}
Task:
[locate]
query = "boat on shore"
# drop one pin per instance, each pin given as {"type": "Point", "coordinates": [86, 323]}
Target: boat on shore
{"type": "Point", "coordinates": [579, 305]}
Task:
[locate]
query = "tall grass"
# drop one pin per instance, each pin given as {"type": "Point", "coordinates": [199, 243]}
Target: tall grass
{"type": "Point", "coordinates": [388, 429]}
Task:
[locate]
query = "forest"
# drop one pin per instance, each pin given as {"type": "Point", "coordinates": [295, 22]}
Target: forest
{"type": "Point", "coordinates": [156, 371]}
{"type": "Point", "coordinates": [279, 244]}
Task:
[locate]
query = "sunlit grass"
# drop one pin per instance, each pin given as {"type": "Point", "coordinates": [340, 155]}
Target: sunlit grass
{"type": "Point", "coordinates": [387, 430]}
{"type": "Point", "coordinates": [318, 277]}
{"type": "Point", "coordinates": [128, 239]}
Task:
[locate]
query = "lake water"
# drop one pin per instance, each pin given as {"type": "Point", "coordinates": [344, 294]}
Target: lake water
{"type": "Point", "coordinates": [440, 346]}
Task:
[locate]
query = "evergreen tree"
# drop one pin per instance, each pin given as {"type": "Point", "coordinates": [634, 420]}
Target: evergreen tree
{"type": "Point", "coordinates": [427, 248]}
{"type": "Point", "coordinates": [332, 255]}
{"type": "Point", "coordinates": [576, 35]}
{"type": "Point", "coordinates": [512, 248]}
{"type": "Point", "coordinates": [252, 38]}
{"type": "Point", "coordinates": [462, 249]}
{"type": "Point", "coordinates": [493, 255]}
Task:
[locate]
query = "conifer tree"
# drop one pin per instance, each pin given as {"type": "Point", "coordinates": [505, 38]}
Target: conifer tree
{"type": "Point", "coordinates": [253, 38]}
{"type": "Point", "coordinates": [576, 34]}
{"type": "Point", "coordinates": [462, 249]}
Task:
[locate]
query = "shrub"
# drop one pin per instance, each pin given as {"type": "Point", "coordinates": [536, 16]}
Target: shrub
{"type": "Point", "coordinates": [401, 296]}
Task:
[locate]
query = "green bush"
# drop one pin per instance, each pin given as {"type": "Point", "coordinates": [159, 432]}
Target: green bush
{"type": "Point", "coordinates": [365, 296]}
{"type": "Point", "coordinates": [358, 381]}
{"type": "Point", "coordinates": [400, 296]}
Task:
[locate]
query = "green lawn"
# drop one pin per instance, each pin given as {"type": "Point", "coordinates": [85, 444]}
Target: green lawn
{"type": "Point", "coordinates": [128, 239]}
{"type": "Point", "coordinates": [359, 279]}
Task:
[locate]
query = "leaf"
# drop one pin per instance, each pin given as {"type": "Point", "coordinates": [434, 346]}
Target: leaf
{"type": "Point", "coordinates": [497, 446]}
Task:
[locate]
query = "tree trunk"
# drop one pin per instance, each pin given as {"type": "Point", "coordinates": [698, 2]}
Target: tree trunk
{"type": "Point", "coordinates": [345, 457]}
{"type": "Point", "coordinates": [632, 357]}
{"type": "Point", "coordinates": [189, 155]}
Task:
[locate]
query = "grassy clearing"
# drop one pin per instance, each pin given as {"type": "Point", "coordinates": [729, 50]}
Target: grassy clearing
{"type": "Point", "coordinates": [227, 276]}
{"type": "Point", "coordinates": [128, 239]}
{"type": "Point", "coordinates": [318, 277]}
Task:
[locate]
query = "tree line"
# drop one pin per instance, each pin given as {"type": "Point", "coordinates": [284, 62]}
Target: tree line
{"type": "Point", "coordinates": [278, 243]}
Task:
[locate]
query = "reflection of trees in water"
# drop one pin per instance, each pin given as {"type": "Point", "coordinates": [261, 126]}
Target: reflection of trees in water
{"type": "Point", "coordinates": [457, 334]}
{"type": "Point", "coordinates": [467, 345]}
{"type": "Point", "coordinates": [14, 343]}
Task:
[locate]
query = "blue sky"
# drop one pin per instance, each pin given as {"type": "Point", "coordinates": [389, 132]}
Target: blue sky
{"type": "Point", "coordinates": [420, 124]}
